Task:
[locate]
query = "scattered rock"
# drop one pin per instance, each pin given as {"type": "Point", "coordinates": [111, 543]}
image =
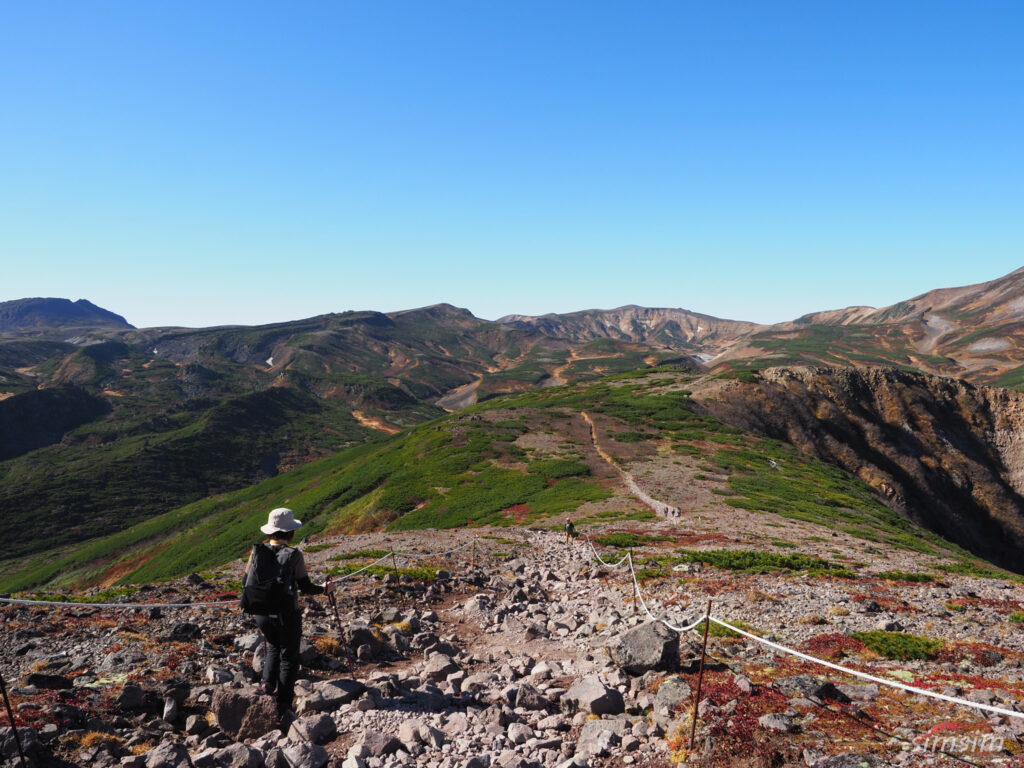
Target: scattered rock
{"type": "Point", "coordinates": [650, 646]}
{"type": "Point", "coordinates": [593, 696]}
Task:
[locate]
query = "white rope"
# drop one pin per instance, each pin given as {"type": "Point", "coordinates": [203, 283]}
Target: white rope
{"type": "Point", "coordinates": [866, 676]}
{"type": "Point", "coordinates": [426, 555]}
{"type": "Point", "coordinates": [627, 559]}
{"type": "Point", "coordinates": [14, 601]}
{"type": "Point", "coordinates": [598, 556]}
{"type": "Point", "coordinates": [364, 568]}
{"type": "Point", "coordinates": [643, 603]}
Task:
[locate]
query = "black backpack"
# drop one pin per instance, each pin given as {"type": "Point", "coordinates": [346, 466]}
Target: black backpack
{"type": "Point", "coordinates": [269, 588]}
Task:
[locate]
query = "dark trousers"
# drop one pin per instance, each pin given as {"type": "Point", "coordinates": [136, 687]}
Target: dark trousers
{"type": "Point", "coordinates": [281, 666]}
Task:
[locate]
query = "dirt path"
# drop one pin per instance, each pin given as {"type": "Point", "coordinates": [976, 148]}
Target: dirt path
{"type": "Point", "coordinates": [658, 507]}
{"type": "Point", "coordinates": [374, 423]}
{"type": "Point", "coordinates": [460, 397]}
{"type": "Point", "coordinates": [935, 328]}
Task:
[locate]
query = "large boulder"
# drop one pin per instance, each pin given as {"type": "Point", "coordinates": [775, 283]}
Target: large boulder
{"type": "Point", "coordinates": [244, 714]}
{"type": "Point", "coordinates": [327, 695]}
{"type": "Point", "coordinates": [42, 680]}
{"type": "Point", "coordinates": [594, 697]}
{"type": "Point", "coordinates": [168, 755]}
{"type": "Point", "coordinates": [650, 646]}
{"type": "Point", "coordinates": [304, 755]}
{"type": "Point", "coordinates": [380, 744]}
{"type": "Point", "coordinates": [29, 743]}
{"type": "Point", "coordinates": [132, 697]}
{"type": "Point", "coordinates": [318, 729]}
{"type": "Point", "coordinates": [239, 756]}
{"type": "Point", "coordinates": [438, 667]}
{"type": "Point", "coordinates": [672, 692]}
{"type": "Point", "coordinates": [229, 708]}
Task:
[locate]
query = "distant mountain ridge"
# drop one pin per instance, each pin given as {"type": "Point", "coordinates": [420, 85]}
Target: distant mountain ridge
{"type": "Point", "coordinates": [140, 421]}
{"type": "Point", "coordinates": [678, 329]}
{"type": "Point", "coordinates": [40, 314]}
{"type": "Point", "coordinates": [974, 332]}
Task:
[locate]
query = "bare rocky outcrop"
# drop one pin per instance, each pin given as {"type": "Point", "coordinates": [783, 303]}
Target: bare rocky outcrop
{"type": "Point", "coordinates": [945, 453]}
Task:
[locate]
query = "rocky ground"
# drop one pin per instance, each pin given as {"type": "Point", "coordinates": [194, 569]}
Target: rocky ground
{"type": "Point", "coordinates": [523, 651]}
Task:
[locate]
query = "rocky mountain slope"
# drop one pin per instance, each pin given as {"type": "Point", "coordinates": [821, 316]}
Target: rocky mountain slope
{"type": "Point", "coordinates": [678, 329]}
{"type": "Point", "coordinates": [141, 421]}
{"type": "Point", "coordinates": [42, 316]}
{"type": "Point", "coordinates": [517, 649]}
{"type": "Point", "coordinates": [145, 420]}
{"type": "Point", "coordinates": [974, 332]}
{"type": "Point", "coordinates": [531, 457]}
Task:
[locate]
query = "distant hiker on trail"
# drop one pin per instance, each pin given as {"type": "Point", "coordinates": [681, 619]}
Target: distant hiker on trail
{"type": "Point", "coordinates": [274, 571]}
{"type": "Point", "coordinates": [570, 530]}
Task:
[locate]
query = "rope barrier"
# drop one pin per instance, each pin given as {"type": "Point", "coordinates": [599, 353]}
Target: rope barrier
{"type": "Point", "coordinates": [211, 603]}
{"type": "Point", "coordinates": [866, 676]}
{"type": "Point", "coordinates": [364, 568]}
{"type": "Point", "coordinates": [627, 559]}
{"type": "Point", "coordinates": [427, 555]}
{"type": "Point", "coordinates": [643, 604]}
{"type": "Point", "coordinates": [59, 603]}
{"type": "Point", "coordinates": [597, 556]}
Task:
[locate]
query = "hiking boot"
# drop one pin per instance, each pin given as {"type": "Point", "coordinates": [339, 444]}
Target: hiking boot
{"type": "Point", "coordinates": [267, 689]}
{"type": "Point", "coordinates": [286, 719]}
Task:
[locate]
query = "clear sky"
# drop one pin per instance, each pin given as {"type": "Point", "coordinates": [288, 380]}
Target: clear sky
{"type": "Point", "coordinates": [198, 163]}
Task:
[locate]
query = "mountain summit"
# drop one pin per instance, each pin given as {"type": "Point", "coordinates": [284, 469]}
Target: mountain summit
{"type": "Point", "coordinates": [41, 314]}
{"type": "Point", "coordinates": [678, 329]}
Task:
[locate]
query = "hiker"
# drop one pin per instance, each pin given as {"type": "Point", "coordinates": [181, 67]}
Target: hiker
{"type": "Point", "coordinates": [570, 530]}
{"type": "Point", "coordinates": [274, 571]}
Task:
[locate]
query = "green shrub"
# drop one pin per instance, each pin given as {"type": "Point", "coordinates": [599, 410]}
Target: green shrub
{"type": "Point", "coordinates": [625, 540]}
{"type": "Point", "coordinates": [906, 576]}
{"type": "Point", "coordinates": [717, 630]}
{"type": "Point", "coordinates": [630, 437]}
{"type": "Point", "coordinates": [972, 568]}
{"type": "Point", "coordinates": [361, 554]}
{"type": "Point", "coordinates": [899, 645]}
{"type": "Point", "coordinates": [421, 573]}
{"type": "Point", "coordinates": [104, 596]}
{"type": "Point", "coordinates": [1017, 617]}
{"type": "Point", "coordinates": [558, 468]}
{"type": "Point", "coordinates": [649, 573]}
{"type": "Point", "coordinates": [756, 561]}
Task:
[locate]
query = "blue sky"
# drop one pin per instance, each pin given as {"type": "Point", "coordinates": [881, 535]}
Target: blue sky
{"type": "Point", "coordinates": [195, 163]}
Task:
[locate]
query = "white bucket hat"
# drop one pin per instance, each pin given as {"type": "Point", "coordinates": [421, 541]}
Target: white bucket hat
{"type": "Point", "coordinates": [280, 520]}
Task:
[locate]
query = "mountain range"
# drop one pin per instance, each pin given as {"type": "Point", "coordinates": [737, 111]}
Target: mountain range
{"type": "Point", "coordinates": [103, 426]}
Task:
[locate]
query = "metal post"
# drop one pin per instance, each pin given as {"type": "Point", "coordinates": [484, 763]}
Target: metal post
{"type": "Point", "coordinates": [14, 727]}
{"type": "Point", "coordinates": [341, 631]}
{"type": "Point", "coordinates": [633, 579]}
{"type": "Point", "coordinates": [700, 676]}
{"type": "Point", "coordinates": [394, 564]}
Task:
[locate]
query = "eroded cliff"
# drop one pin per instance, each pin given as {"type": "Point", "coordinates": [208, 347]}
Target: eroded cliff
{"type": "Point", "coordinates": [947, 454]}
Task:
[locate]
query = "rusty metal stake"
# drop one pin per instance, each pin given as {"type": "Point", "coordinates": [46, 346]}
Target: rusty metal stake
{"type": "Point", "coordinates": [341, 631]}
{"type": "Point", "coordinates": [700, 675]}
{"type": "Point", "coordinates": [633, 579]}
{"type": "Point", "coordinates": [14, 727]}
{"type": "Point", "coordinates": [394, 564]}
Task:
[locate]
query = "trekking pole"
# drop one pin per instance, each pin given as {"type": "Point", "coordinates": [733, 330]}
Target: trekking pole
{"type": "Point", "coordinates": [700, 676]}
{"type": "Point", "coordinates": [14, 728]}
{"type": "Point", "coordinates": [341, 631]}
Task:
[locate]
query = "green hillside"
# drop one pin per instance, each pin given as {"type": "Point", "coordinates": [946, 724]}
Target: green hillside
{"type": "Point", "coordinates": [517, 460]}
{"type": "Point", "coordinates": [96, 438]}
